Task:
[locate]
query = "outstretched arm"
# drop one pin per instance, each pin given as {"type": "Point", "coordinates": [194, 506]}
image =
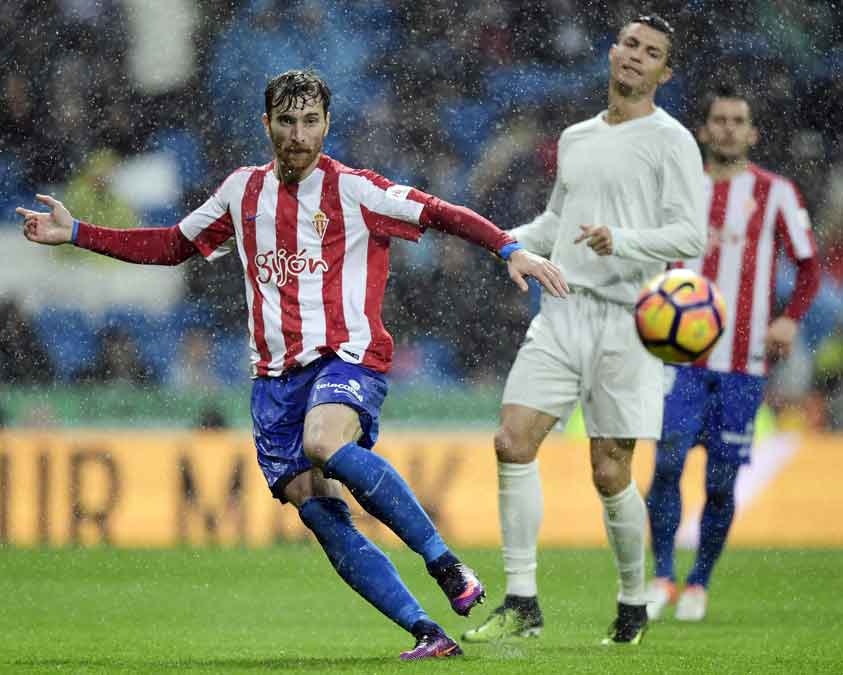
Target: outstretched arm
{"type": "Point", "coordinates": [149, 246]}
{"type": "Point", "coordinates": [391, 210]}
{"type": "Point", "coordinates": [473, 227]}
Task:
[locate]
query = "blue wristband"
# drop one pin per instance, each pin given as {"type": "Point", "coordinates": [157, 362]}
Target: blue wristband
{"type": "Point", "coordinates": [75, 232]}
{"type": "Point", "coordinates": [507, 250]}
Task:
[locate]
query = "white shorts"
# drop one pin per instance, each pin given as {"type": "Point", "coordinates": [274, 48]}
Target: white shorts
{"type": "Point", "coordinates": [585, 349]}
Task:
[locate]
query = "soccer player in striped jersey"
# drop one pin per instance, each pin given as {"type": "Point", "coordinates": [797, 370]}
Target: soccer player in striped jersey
{"type": "Point", "coordinates": [753, 216]}
{"type": "Point", "coordinates": [313, 236]}
{"type": "Point", "coordinates": [627, 200]}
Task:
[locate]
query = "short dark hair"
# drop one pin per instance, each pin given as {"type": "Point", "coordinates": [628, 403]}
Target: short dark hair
{"type": "Point", "coordinates": [284, 90]}
{"type": "Point", "coordinates": [724, 90]}
{"type": "Point", "coordinates": [660, 24]}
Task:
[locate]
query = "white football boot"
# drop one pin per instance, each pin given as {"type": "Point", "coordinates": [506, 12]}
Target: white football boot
{"type": "Point", "coordinates": [692, 604]}
{"type": "Point", "coordinates": [660, 593]}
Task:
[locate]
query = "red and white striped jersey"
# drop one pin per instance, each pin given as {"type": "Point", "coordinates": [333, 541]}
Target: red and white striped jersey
{"type": "Point", "coordinates": [315, 257]}
{"type": "Point", "coordinates": [751, 217]}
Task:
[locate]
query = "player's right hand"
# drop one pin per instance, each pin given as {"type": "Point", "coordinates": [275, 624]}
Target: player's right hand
{"type": "Point", "coordinates": [522, 264]}
{"type": "Point", "coordinates": [55, 227]}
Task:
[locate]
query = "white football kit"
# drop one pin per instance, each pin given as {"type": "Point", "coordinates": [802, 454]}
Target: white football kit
{"type": "Point", "coordinates": [644, 179]}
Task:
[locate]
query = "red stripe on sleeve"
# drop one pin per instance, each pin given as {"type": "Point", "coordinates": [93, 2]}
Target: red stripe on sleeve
{"type": "Point", "coordinates": [217, 233]}
{"type": "Point", "coordinates": [463, 223]}
{"type": "Point", "coordinates": [385, 226]}
{"type": "Point", "coordinates": [286, 235]}
{"type": "Point", "coordinates": [377, 179]}
{"type": "Point", "coordinates": [249, 209]}
{"type": "Point", "coordinates": [333, 253]}
{"type": "Point", "coordinates": [141, 245]}
{"type": "Point", "coordinates": [743, 311]}
{"type": "Point", "coordinates": [805, 289]}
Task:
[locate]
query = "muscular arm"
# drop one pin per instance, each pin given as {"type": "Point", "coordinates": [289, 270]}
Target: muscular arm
{"type": "Point", "coordinates": [143, 245]}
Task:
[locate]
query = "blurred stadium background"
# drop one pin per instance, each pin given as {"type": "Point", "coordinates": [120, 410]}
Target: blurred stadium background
{"type": "Point", "coordinates": [133, 111]}
{"type": "Point", "coordinates": [124, 390]}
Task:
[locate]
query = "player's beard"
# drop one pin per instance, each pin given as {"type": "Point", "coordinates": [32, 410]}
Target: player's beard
{"type": "Point", "coordinates": [727, 160]}
{"type": "Point", "coordinates": [294, 159]}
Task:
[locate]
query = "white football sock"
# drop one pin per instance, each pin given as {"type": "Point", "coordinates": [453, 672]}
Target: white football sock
{"type": "Point", "coordinates": [625, 517]}
{"type": "Point", "coordinates": [521, 506]}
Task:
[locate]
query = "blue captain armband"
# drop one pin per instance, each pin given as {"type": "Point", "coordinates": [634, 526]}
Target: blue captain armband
{"type": "Point", "coordinates": [75, 232]}
{"type": "Point", "coordinates": [507, 250]}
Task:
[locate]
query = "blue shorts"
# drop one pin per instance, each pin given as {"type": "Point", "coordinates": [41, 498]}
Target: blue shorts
{"type": "Point", "coordinates": [712, 409]}
{"type": "Point", "coordinates": [279, 406]}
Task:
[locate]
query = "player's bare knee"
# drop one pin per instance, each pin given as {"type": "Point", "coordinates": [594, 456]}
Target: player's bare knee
{"type": "Point", "coordinates": [319, 448]}
{"type": "Point", "coordinates": [608, 476]}
{"type": "Point", "coordinates": [513, 447]}
{"type": "Point", "coordinates": [299, 489]}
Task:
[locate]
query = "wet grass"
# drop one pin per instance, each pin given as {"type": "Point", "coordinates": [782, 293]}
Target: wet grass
{"type": "Point", "coordinates": [283, 609]}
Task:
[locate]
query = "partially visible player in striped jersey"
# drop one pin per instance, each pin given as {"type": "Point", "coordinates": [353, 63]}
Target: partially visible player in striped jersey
{"type": "Point", "coordinates": [313, 236]}
{"type": "Point", "coordinates": [753, 216]}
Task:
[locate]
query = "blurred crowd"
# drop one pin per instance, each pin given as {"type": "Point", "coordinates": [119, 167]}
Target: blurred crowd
{"type": "Point", "coordinates": [133, 111]}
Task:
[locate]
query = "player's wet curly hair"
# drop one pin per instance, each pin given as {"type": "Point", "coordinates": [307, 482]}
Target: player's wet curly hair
{"type": "Point", "coordinates": [284, 90]}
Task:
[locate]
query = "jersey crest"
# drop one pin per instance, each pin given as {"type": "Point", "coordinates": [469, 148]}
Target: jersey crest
{"type": "Point", "coordinates": [320, 223]}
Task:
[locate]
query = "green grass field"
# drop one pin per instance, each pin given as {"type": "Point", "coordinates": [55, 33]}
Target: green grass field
{"type": "Point", "coordinates": [283, 609]}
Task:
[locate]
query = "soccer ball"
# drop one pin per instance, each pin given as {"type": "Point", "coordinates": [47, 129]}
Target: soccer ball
{"type": "Point", "coordinates": [680, 315]}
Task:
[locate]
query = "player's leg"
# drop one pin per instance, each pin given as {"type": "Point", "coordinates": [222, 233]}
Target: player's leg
{"type": "Point", "coordinates": [521, 506]}
{"type": "Point", "coordinates": [664, 507]}
{"type": "Point", "coordinates": [737, 397]}
{"type": "Point", "coordinates": [341, 426]}
{"type": "Point", "coordinates": [541, 389]}
{"type": "Point", "coordinates": [664, 504]}
{"type": "Point", "coordinates": [684, 410]}
{"type": "Point", "coordinates": [717, 517]}
{"type": "Point", "coordinates": [625, 518]}
{"type": "Point", "coordinates": [278, 411]}
{"type": "Point", "coordinates": [623, 400]}
{"type": "Point", "coordinates": [362, 565]}
{"type": "Point", "coordinates": [520, 499]}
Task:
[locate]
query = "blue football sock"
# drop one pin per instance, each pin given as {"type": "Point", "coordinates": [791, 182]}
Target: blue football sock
{"type": "Point", "coordinates": [385, 495]}
{"type": "Point", "coordinates": [426, 627]}
{"type": "Point", "coordinates": [442, 563]}
{"type": "Point", "coordinates": [717, 518]}
{"type": "Point", "coordinates": [359, 562]}
{"type": "Point", "coordinates": [664, 505]}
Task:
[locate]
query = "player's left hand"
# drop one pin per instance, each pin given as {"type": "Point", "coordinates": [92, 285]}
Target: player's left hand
{"type": "Point", "coordinates": [780, 337]}
{"type": "Point", "coordinates": [53, 228]}
{"type": "Point", "coordinates": [599, 238]}
{"type": "Point", "coordinates": [522, 264]}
